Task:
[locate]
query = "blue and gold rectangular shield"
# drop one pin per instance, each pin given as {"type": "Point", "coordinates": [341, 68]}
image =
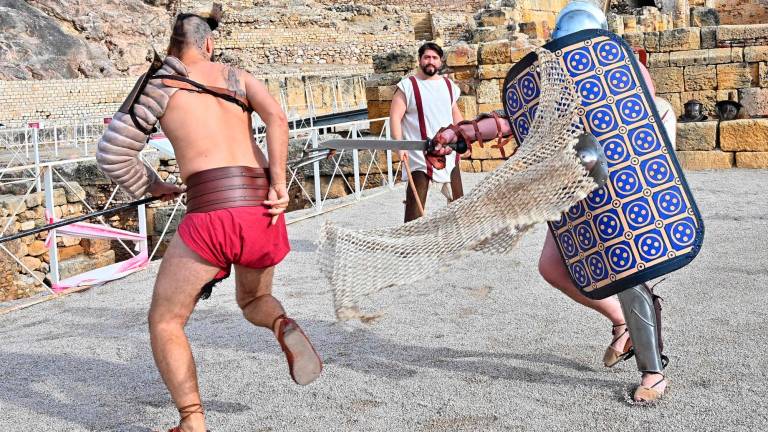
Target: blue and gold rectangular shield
{"type": "Point", "coordinates": [644, 222]}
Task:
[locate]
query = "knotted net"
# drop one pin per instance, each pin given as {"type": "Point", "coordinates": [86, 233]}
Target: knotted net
{"type": "Point", "coordinates": [539, 182]}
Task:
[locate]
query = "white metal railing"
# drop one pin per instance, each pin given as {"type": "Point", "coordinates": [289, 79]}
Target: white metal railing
{"type": "Point", "coordinates": [40, 142]}
{"type": "Point", "coordinates": [346, 94]}
{"type": "Point", "coordinates": [349, 130]}
{"type": "Point", "coordinates": [39, 176]}
{"type": "Point", "coordinates": [49, 171]}
{"type": "Point", "coordinates": [48, 141]}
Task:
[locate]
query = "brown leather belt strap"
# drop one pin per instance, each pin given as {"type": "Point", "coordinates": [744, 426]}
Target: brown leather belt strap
{"type": "Point", "coordinates": [226, 187]}
{"type": "Point", "coordinates": [200, 192]}
{"type": "Point", "coordinates": [422, 122]}
{"type": "Point", "coordinates": [225, 172]}
{"type": "Point", "coordinates": [223, 202]}
{"type": "Point", "coordinates": [499, 138]}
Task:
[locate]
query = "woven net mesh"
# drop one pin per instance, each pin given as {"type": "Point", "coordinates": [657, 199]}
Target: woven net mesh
{"type": "Point", "coordinates": [539, 182]}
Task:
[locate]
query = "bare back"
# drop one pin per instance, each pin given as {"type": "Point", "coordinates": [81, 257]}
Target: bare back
{"type": "Point", "coordinates": [207, 131]}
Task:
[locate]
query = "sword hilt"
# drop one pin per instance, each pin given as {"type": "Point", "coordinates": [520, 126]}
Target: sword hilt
{"type": "Point", "coordinates": [459, 146]}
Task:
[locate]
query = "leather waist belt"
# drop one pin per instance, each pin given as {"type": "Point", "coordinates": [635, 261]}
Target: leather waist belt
{"type": "Point", "coordinates": [226, 187]}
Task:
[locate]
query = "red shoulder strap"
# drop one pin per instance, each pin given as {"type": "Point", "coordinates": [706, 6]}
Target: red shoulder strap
{"type": "Point", "coordinates": [450, 93]}
{"type": "Point", "coordinates": [422, 122]}
{"type": "Point", "coordinates": [419, 107]}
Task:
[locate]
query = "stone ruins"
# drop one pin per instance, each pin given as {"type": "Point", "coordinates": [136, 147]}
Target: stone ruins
{"type": "Point", "coordinates": [66, 59]}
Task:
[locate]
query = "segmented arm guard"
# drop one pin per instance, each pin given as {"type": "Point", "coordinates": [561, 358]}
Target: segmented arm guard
{"type": "Point", "coordinates": [485, 127]}
{"type": "Point", "coordinates": [117, 153]}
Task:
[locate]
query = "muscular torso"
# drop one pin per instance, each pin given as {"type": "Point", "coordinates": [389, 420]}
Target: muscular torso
{"type": "Point", "coordinates": [209, 132]}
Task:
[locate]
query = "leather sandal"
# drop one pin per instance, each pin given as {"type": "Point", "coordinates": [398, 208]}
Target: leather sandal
{"type": "Point", "coordinates": [185, 412]}
{"type": "Point", "coordinates": [645, 394]}
{"type": "Point", "coordinates": [304, 363]}
{"type": "Point", "coordinates": [612, 356]}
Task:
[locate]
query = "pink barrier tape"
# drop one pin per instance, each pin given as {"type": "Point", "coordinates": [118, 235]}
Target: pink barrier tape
{"type": "Point", "coordinates": [93, 231]}
{"type": "Point", "coordinates": [104, 274]}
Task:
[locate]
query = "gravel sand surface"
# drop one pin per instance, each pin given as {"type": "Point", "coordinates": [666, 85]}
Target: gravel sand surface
{"type": "Point", "coordinates": [486, 346]}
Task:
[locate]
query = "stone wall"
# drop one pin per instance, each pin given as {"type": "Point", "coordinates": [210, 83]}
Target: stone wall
{"type": "Point", "coordinates": [742, 11]}
{"type": "Point", "coordinates": [709, 64]}
{"type": "Point", "coordinates": [309, 47]}
{"type": "Point", "coordinates": [717, 145]}
{"type": "Point", "coordinates": [75, 255]}
{"type": "Point", "coordinates": [646, 19]}
{"type": "Point", "coordinates": [532, 17]}
{"type": "Point", "coordinates": [449, 28]}
{"type": "Point", "coordinates": [423, 6]}
{"type": "Point", "coordinates": [702, 63]}
{"type": "Point", "coordinates": [24, 101]}
{"type": "Point", "coordinates": [541, 14]}
{"type": "Point", "coordinates": [21, 101]}
{"type": "Point", "coordinates": [267, 36]}
{"type": "Point", "coordinates": [685, 13]}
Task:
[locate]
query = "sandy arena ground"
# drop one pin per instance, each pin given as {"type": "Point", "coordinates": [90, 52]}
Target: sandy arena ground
{"type": "Point", "coordinates": [488, 346]}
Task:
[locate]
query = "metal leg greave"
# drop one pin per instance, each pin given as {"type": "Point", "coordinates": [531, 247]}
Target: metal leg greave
{"type": "Point", "coordinates": [640, 315]}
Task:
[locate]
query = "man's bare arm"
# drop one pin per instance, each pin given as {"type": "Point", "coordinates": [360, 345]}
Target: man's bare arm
{"type": "Point", "coordinates": [277, 126]}
{"type": "Point", "coordinates": [396, 114]}
{"type": "Point", "coordinates": [457, 117]}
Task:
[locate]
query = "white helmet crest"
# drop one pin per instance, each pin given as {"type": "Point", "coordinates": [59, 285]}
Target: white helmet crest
{"type": "Point", "coordinates": [579, 15]}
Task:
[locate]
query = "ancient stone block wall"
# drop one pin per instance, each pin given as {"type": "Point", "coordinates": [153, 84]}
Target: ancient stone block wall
{"type": "Point", "coordinates": [24, 101]}
{"type": "Point", "coordinates": [643, 20]}
{"type": "Point", "coordinates": [254, 36]}
{"type": "Point", "coordinates": [742, 11]}
{"type": "Point", "coordinates": [451, 27]}
{"type": "Point", "coordinates": [541, 13]}
{"type": "Point", "coordinates": [425, 5]}
{"type": "Point", "coordinates": [534, 18]}
{"type": "Point", "coordinates": [709, 64]}
{"type": "Point", "coordinates": [288, 46]}
{"type": "Point", "coordinates": [75, 255]}
{"type": "Point", "coordinates": [715, 145]}
{"type": "Point", "coordinates": [688, 63]}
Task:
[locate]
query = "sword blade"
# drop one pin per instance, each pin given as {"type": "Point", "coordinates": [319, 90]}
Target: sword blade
{"type": "Point", "coordinates": [309, 159]}
{"type": "Point", "coordinates": [374, 144]}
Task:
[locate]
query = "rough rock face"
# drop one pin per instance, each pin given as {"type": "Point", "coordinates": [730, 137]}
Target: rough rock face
{"type": "Point", "coordinates": [33, 46]}
{"type": "Point", "coordinates": [48, 39]}
{"type": "Point", "coordinates": [125, 29]}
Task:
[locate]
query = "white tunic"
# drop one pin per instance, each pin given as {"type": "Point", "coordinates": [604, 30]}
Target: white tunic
{"type": "Point", "coordinates": [438, 113]}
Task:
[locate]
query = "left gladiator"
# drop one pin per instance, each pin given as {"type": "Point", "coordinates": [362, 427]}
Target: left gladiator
{"type": "Point", "coordinates": [235, 200]}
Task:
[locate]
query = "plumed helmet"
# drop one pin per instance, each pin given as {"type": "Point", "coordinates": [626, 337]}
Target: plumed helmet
{"type": "Point", "coordinates": [579, 15]}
